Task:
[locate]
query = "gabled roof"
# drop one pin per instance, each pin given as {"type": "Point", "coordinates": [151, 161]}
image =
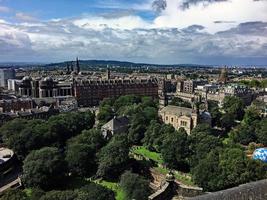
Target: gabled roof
{"type": "Point", "coordinates": [116, 123]}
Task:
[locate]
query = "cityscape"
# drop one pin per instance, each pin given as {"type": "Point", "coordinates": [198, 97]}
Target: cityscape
{"type": "Point", "coordinates": [133, 100]}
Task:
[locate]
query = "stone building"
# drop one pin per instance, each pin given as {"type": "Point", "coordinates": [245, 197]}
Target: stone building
{"type": "Point", "coordinates": [43, 88]}
{"type": "Point", "coordinates": [117, 125]}
{"type": "Point", "coordinates": [5, 74]}
{"type": "Point", "coordinates": [180, 117]}
{"type": "Point", "coordinates": [91, 92]}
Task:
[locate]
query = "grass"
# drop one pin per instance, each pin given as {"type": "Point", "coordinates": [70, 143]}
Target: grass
{"type": "Point", "coordinates": [143, 151]}
{"type": "Point", "coordinates": [114, 187]}
{"type": "Point", "coordinates": [178, 175]}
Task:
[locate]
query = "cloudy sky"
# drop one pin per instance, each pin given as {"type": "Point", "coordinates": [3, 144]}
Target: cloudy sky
{"type": "Point", "coordinates": [153, 31]}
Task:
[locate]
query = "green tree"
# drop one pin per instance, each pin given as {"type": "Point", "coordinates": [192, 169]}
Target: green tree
{"type": "Point", "coordinates": [251, 114]}
{"type": "Point", "coordinates": [14, 194]}
{"type": "Point", "coordinates": [113, 158]}
{"type": "Point", "coordinates": [60, 195]}
{"type": "Point", "coordinates": [137, 128]}
{"type": "Point", "coordinates": [175, 150]}
{"type": "Point", "coordinates": [261, 132]}
{"type": "Point", "coordinates": [44, 168]}
{"type": "Point", "coordinates": [243, 134]}
{"type": "Point", "coordinates": [134, 186]}
{"type": "Point", "coordinates": [227, 121]}
{"type": "Point", "coordinates": [235, 106]}
{"type": "Point", "coordinates": [96, 192]}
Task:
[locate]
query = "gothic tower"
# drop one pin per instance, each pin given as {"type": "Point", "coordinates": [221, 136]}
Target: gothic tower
{"type": "Point", "coordinates": [77, 65]}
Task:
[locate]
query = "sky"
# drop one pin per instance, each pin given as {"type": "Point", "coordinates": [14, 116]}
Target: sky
{"type": "Point", "coordinates": [219, 32]}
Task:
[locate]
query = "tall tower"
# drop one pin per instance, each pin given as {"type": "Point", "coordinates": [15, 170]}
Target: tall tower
{"type": "Point", "coordinates": [108, 72]}
{"type": "Point", "coordinates": [223, 76]}
{"type": "Point", "coordinates": [71, 67]}
{"type": "Point", "coordinates": [77, 65]}
{"type": "Point", "coordinates": [163, 99]}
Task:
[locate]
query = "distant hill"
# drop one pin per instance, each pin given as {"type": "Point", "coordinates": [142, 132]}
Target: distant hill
{"type": "Point", "coordinates": [113, 63]}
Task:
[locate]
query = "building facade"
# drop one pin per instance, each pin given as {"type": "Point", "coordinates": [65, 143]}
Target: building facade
{"type": "Point", "coordinates": [91, 92]}
{"type": "Point", "coordinates": [5, 74]}
{"type": "Point", "coordinates": [180, 117]}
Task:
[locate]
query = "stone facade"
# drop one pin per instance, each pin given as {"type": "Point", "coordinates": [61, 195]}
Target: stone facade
{"type": "Point", "coordinates": [179, 117]}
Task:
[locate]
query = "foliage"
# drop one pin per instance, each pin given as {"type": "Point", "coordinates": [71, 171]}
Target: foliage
{"type": "Point", "coordinates": [96, 192]}
{"type": "Point", "coordinates": [113, 158]}
{"type": "Point", "coordinates": [226, 168]}
{"type": "Point", "coordinates": [60, 195]}
{"type": "Point", "coordinates": [44, 168]}
{"type": "Point", "coordinates": [81, 152]}
{"type": "Point", "coordinates": [261, 132]}
{"type": "Point", "coordinates": [201, 143]}
{"type": "Point", "coordinates": [25, 135]}
{"type": "Point", "coordinates": [134, 186]}
{"type": "Point", "coordinates": [215, 113]}
{"type": "Point", "coordinates": [175, 150]}
{"type": "Point", "coordinates": [176, 101]}
{"type": "Point", "coordinates": [14, 194]}
{"type": "Point", "coordinates": [235, 106]}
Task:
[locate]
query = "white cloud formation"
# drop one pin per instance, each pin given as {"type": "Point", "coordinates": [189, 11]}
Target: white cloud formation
{"type": "Point", "coordinates": [4, 9]}
{"type": "Point", "coordinates": [205, 14]}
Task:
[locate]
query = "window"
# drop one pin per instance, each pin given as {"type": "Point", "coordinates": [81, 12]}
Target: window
{"type": "Point", "coordinates": [183, 123]}
{"type": "Point", "coordinates": [167, 118]}
{"type": "Point", "coordinates": [172, 119]}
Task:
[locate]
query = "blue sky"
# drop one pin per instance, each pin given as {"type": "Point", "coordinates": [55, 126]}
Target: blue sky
{"type": "Point", "coordinates": [154, 31]}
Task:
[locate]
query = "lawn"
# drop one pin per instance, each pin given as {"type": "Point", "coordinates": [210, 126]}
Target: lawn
{"type": "Point", "coordinates": [178, 175]}
{"type": "Point", "coordinates": [143, 151]}
{"type": "Point", "coordinates": [114, 187]}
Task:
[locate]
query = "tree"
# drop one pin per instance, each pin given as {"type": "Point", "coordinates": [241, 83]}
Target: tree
{"type": "Point", "coordinates": [261, 132]}
{"type": "Point", "coordinates": [134, 186]}
{"type": "Point", "coordinates": [176, 101]}
{"type": "Point", "coordinates": [96, 192]}
{"type": "Point", "coordinates": [175, 150]}
{"type": "Point", "coordinates": [251, 115]}
{"type": "Point", "coordinates": [215, 113]}
{"type": "Point", "coordinates": [201, 143]}
{"type": "Point", "coordinates": [60, 195]}
{"type": "Point", "coordinates": [235, 106]}
{"type": "Point", "coordinates": [225, 168]}
{"type": "Point", "coordinates": [14, 194]}
{"type": "Point", "coordinates": [227, 121]}
{"type": "Point", "coordinates": [243, 134]}
{"type": "Point", "coordinates": [80, 159]}
{"type": "Point", "coordinates": [137, 128]}
{"type": "Point", "coordinates": [44, 168]}
{"type": "Point", "coordinates": [113, 158]}
{"type": "Point", "coordinates": [81, 152]}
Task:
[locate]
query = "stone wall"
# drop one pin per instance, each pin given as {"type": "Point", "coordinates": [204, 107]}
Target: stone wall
{"type": "Point", "coordinates": [250, 191]}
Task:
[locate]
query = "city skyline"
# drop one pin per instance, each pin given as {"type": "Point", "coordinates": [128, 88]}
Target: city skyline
{"type": "Point", "coordinates": [150, 31]}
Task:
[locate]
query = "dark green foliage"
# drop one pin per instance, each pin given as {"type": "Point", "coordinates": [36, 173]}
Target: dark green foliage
{"type": "Point", "coordinates": [113, 158]}
{"type": "Point", "coordinates": [137, 128]}
{"type": "Point", "coordinates": [251, 115]}
{"type": "Point", "coordinates": [201, 143]}
{"type": "Point", "coordinates": [243, 134]}
{"type": "Point", "coordinates": [60, 195]}
{"type": "Point", "coordinates": [155, 135]}
{"type": "Point", "coordinates": [44, 168]}
{"type": "Point", "coordinates": [26, 135]}
{"type": "Point", "coordinates": [175, 150]}
{"type": "Point", "coordinates": [134, 186]}
{"type": "Point", "coordinates": [81, 152]}
{"type": "Point", "coordinates": [235, 106]}
{"type": "Point", "coordinates": [261, 132]}
{"type": "Point", "coordinates": [226, 168]}
{"type": "Point", "coordinates": [176, 101]}
{"type": "Point", "coordinates": [215, 113]}
{"type": "Point", "coordinates": [95, 192]}
{"type": "Point", "coordinates": [227, 121]}
{"type": "Point", "coordinates": [14, 194]}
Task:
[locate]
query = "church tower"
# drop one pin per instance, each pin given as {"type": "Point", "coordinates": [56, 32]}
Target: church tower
{"type": "Point", "coordinates": [77, 65]}
{"type": "Point", "coordinates": [223, 78]}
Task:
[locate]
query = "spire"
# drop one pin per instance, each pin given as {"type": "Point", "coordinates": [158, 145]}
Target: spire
{"type": "Point", "coordinates": [77, 65]}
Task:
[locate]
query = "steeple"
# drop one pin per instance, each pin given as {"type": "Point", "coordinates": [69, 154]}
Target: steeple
{"type": "Point", "coordinates": [108, 72]}
{"type": "Point", "coordinates": [77, 65]}
{"type": "Point", "coordinates": [223, 76]}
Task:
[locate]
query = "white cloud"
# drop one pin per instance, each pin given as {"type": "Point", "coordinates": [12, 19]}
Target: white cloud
{"type": "Point", "coordinates": [24, 17]}
{"type": "Point", "coordinates": [204, 14]}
